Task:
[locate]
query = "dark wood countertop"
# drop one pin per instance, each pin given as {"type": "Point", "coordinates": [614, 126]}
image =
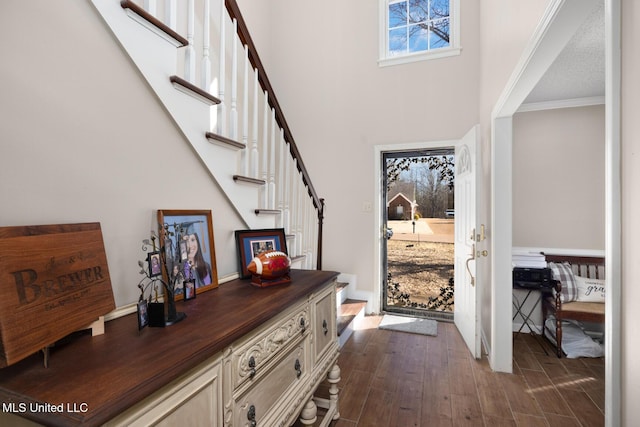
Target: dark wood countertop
{"type": "Point", "coordinates": [112, 372]}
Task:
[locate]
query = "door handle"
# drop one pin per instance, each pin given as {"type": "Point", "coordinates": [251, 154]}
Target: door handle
{"type": "Point", "coordinates": [473, 256]}
{"type": "Point", "coordinates": [387, 233]}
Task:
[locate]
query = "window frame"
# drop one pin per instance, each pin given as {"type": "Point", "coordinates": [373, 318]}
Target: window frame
{"type": "Point", "coordinates": [453, 49]}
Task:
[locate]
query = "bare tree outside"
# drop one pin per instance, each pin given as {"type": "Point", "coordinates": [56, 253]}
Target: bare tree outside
{"type": "Point", "coordinates": [418, 25]}
{"type": "Point", "coordinates": [434, 196]}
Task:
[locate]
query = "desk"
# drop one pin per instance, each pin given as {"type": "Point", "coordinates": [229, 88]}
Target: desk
{"type": "Point", "coordinates": [536, 290]}
{"type": "Point", "coordinates": [520, 306]}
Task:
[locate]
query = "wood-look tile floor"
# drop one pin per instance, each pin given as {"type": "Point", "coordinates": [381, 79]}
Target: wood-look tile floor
{"type": "Point", "coordinates": [400, 379]}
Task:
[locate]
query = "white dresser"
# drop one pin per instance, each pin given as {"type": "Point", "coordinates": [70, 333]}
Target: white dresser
{"type": "Point", "coordinates": [270, 350]}
{"type": "Point", "coordinates": [270, 375]}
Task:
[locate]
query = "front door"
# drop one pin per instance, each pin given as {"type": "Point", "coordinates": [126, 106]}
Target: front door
{"type": "Point", "coordinates": [417, 251]}
{"type": "Point", "coordinates": [468, 235]}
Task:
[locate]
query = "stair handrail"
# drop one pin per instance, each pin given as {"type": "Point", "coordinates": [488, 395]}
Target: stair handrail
{"type": "Point", "coordinates": [243, 32]}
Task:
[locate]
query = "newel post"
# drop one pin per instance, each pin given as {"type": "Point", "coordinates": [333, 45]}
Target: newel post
{"type": "Point", "coordinates": [320, 224]}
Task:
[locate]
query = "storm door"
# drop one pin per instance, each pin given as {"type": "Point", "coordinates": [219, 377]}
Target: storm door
{"type": "Point", "coordinates": [418, 217]}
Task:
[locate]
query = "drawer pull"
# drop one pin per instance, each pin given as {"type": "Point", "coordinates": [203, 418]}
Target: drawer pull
{"type": "Point", "coordinates": [303, 326]}
{"type": "Point", "coordinates": [298, 369]}
{"type": "Point", "coordinates": [252, 366]}
{"type": "Point", "coordinates": [251, 416]}
{"type": "Point", "coordinates": [324, 327]}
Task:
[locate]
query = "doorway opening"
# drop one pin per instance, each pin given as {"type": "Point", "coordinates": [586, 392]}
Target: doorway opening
{"type": "Point", "coordinates": [418, 216]}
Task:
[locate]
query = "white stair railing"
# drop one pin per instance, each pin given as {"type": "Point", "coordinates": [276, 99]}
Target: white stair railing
{"type": "Point", "coordinates": [248, 113]}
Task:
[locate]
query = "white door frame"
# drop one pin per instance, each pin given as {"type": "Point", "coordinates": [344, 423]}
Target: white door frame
{"type": "Point", "coordinates": [379, 205]}
{"type": "Point", "coordinates": [558, 25]}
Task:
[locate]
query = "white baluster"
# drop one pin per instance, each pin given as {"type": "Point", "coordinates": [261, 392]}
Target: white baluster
{"type": "Point", "coordinates": [299, 216]}
{"type": "Point", "coordinates": [294, 206]}
{"type": "Point", "coordinates": [309, 234]}
{"type": "Point", "coordinates": [151, 7]}
{"type": "Point", "coordinates": [190, 54]}
{"type": "Point", "coordinates": [280, 176]}
{"type": "Point", "coordinates": [312, 236]}
{"type": "Point", "coordinates": [272, 162]}
{"type": "Point", "coordinates": [264, 152]}
{"type": "Point", "coordinates": [206, 36]}
{"type": "Point", "coordinates": [285, 184]}
{"type": "Point", "coordinates": [234, 84]}
{"type": "Point", "coordinates": [222, 108]}
{"type": "Point", "coordinates": [303, 234]}
{"type": "Point", "coordinates": [287, 196]}
{"type": "Point", "coordinates": [170, 13]}
{"type": "Point", "coordinates": [254, 140]}
{"type": "Point", "coordinates": [244, 155]}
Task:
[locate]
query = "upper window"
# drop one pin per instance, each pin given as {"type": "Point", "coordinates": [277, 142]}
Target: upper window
{"type": "Point", "coordinates": [417, 29]}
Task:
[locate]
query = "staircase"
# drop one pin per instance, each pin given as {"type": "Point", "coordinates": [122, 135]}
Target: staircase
{"type": "Point", "coordinates": [199, 59]}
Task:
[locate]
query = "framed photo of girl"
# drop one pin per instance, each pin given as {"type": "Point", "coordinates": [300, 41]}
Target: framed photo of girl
{"type": "Point", "coordinates": [187, 249]}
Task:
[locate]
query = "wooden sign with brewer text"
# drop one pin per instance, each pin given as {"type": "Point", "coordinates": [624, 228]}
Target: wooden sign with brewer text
{"type": "Point", "coordinates": [54, 280]}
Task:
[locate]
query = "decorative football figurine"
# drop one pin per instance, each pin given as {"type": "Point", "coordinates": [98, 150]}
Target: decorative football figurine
{"type": "Point", "coordinates": [270, 268]}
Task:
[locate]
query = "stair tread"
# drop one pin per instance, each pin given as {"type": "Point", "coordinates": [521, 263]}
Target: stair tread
{"type": "Point", "coordinates": [214, 137]}
{"type": "Point", "coordinates": [351, 307]}
{"type": "Point", "coordinates": [268, 211]}
{"type": "Point", "coordinates": [189, 87]}
{"type": "Point", "coordinates": [127, 4]}
{"type": "Point", "coordinates": [347, 312]}
{"type": "Point", "coordinates": [249, 180]}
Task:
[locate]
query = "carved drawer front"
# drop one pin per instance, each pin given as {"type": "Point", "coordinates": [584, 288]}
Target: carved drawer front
{"type": "Point", "coordinates": [251, 357]}
{"type": "Point", "coordinates": [324, 330]}
{"type": "Point", "coordinates": [263, 401]}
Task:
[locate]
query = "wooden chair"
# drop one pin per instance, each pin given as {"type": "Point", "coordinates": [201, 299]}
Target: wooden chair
{"type": "Point", "coordinates": [590, 267]}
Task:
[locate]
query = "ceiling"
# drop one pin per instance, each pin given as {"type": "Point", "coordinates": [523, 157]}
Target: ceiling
{"type": "Point", "coordinates": [579, 70]}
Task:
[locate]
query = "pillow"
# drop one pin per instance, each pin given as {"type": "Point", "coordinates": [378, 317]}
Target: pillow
{"type": "Point", "coordinates": [590, 290]}
{"type": "Point", "coordinates": [564, 274]}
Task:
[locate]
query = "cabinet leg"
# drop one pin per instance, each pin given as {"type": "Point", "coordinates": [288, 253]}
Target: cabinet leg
{"type": "Point", "coordinates": [309, 413]}
{"type": "Point", "coordinates": [333, 377]}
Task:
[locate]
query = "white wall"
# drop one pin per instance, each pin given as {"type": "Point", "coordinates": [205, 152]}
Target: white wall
{"type": "Point", "coordinates": [322, 60]}
{"type": "Point", "coordinates": [558, 184]}
{"type": "Point", "coordinates": [558, 178]}
{"type": "Point", "coordinates": [505, 31]}
{"type": "Point", "coordinates": [84, 139]}
{"type": "Point", "coordinates": [630, 176]}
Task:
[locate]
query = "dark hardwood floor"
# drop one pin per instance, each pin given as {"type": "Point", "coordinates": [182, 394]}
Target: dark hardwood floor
{"type": "Point", "coordinates": [400, 379]}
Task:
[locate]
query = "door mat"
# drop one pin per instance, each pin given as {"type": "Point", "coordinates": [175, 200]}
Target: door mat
{"type": "Point", "coordinates": [409, 324]}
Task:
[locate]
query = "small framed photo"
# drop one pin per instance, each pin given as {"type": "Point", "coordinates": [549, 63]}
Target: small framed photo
{"type": "Point", "coordinates": [189, 289]}
{"type": "Point", "coordinates": [143, 314]}
{"type": "Point", "coordinates": [251, 243]}
{"type": "Point", "coordinates": [155, 265]}
{"type": "Point", "coordinates": [186, 239]}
